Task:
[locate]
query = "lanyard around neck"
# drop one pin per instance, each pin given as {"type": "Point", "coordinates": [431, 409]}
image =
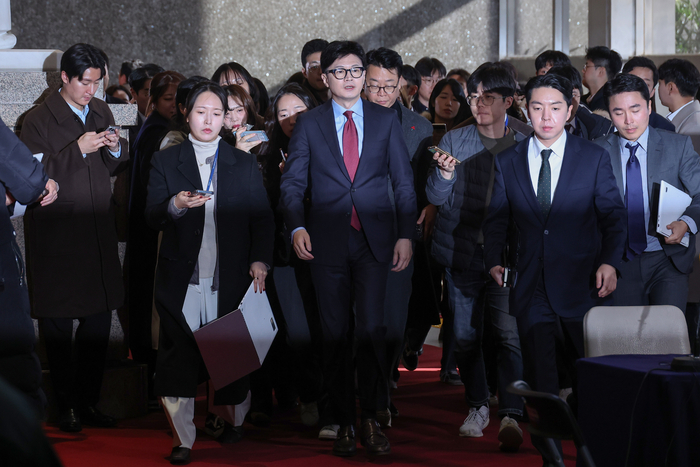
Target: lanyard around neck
{"type": "Point", "coordinates": [213, 167]}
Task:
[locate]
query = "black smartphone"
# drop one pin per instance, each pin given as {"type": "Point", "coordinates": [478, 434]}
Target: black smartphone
{"type": "Point", "coordinates": [437, 150]}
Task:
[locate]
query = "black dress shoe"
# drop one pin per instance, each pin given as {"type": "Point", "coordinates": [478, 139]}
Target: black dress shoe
{"type": "Point", "coordinates": [230, 434]}
{"type": "Point", "coordinates": [180, 456]}
{"type": "Point", "coordinates": [70, 422]}
{"type": "Point", "coordinates": [373, 439]}
{"type": "Point", "coordinates": [93, 417]}
{"type": "Point", "coordinates": [345, 445]}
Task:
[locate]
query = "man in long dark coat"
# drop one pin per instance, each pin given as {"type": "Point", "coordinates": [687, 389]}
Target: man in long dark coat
{"type": "Point", "coordinates": [73, 262]}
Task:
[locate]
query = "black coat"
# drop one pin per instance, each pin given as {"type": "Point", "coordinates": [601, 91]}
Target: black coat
{"type": "Point", "coordinates": [245, 232]}
{"type": "Point", "coordinates": [72, 249]}
{"type": "Point", "coordinates": [23, 176]}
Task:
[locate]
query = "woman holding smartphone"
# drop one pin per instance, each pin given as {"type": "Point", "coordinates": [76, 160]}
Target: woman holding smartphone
{"type": "Point", "coordinates": [240, 117]}
{"type": "Point", "coordinates": [213, 244]}
{"type": "Point", "coordinates": [447, 108]}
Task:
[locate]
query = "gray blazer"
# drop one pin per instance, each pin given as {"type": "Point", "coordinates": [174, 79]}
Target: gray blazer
{"type": "Point", "coordinates": [417, 132]}
{"type": "Point", "coordinates": [687, 121]}
{"type": "Point", "coordinates": [670, 157]}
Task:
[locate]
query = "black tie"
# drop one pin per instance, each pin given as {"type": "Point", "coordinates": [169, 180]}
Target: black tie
{"type": "Point", "coordinates": [544, 184]}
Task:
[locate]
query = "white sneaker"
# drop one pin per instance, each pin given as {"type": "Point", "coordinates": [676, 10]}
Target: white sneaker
{"type": "Point", "coordinates": [329, 432]}
{"type": "Point", "coordinates": [475, 422]}
{"type": "Point", "coordinates": [309, 413]}
{"type": "Point", "coordinates": [510, 435]}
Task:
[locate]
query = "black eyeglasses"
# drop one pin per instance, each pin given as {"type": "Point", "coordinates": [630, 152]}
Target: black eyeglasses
{"type": "Point", "coordinates": [341, 73]}
{"type": "Point", "coordinates": [375, 89]}
{"type": "Point", "coordinates": [486, 100]}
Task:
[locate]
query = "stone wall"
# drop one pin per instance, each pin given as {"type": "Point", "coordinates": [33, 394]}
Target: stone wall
{"type": "Point", "coordinates": [195, 36]}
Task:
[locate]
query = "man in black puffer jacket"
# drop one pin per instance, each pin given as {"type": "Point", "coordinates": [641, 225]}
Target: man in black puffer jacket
{"type": "Point", "coordinates": [462, 193]}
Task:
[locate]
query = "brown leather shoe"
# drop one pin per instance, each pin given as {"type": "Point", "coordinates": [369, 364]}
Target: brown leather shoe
{"type": "Point", "coordinates": [373, 439]}
{"type": "Point", "coordinates": [345, 445]}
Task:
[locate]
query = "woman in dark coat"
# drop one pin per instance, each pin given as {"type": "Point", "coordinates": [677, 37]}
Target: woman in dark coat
{"type": "Point", "coordinates": [142, 243]}
{"type": "Point", "coordinates": [210, 246]}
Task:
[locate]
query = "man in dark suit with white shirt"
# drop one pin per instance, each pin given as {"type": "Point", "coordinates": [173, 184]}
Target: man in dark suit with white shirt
{"type": "Point", "coordinates": [560, 192]}
{"type": "Point", "coordinates": [582, 122]}
{"type": "Point", "coordinates": [343, 152]}
{"type": "Point", "coordinates": [656, 269]}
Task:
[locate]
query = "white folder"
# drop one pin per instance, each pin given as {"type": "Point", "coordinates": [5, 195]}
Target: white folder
{"type": "Point", "coordinates": [672, 204]}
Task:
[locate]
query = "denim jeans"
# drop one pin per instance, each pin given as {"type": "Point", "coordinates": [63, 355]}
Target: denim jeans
{"type": "Point", "coordinates": [473, 295]}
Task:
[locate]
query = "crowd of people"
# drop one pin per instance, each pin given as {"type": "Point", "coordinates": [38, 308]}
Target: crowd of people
{"type": "Point", "coordinates": [370, 200]}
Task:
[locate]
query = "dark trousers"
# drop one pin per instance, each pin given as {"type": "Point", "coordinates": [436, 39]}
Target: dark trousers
{"type": "Point", "coordinates": [475, 297]}
{"type": "Point", "coordinates": [398, 294]}
{"type": "Point", "coordinates": [293, 293]}
{"type": "Point", "coordinates": [540, 329]}
{"type": "Point", "coordinates": [651, 279]}
{"type": "Point", "coordinates": [76, 368]}
{"type": "Point", "coordinates": [362, 278]}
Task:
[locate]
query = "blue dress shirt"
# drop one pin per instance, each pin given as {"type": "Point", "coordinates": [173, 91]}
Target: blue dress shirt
{"type": "Point", "coordinates": [653, 243]}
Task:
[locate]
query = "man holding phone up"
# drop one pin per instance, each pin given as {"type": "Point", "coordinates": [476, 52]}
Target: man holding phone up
{"type": "Point", "coordinates": [462, 194]}
{"type": "Point", "coordinates": [73, 264]}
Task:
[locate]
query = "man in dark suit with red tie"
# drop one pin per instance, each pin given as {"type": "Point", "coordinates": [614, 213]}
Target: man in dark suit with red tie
{"type": "Point", "coordinates": [560, 192]}
{"type": "Point", "coordinates": [343, 152]}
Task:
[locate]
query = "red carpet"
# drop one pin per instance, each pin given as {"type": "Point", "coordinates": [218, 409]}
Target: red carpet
{"type": "Point", "coordinates": [425, 433]}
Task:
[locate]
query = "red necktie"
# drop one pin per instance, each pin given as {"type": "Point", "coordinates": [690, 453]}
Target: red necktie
{"type": "Point", "coordinates": [351, 156]}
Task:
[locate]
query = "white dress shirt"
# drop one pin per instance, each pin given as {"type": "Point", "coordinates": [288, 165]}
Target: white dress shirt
{"type": "Point", "coordinates": [534, 160]}
{"type": "Point", "coordinates": [673, 114]}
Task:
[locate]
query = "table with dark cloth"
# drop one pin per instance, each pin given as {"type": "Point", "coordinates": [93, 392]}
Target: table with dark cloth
{"type": "Point", "coordinates": [666, 415]}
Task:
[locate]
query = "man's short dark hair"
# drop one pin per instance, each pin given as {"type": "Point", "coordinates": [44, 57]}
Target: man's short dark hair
{"type": "Point", "coordinates": [461, 72]}
{"type": "Point", "coordinates": [138, 77]}
{"type": "Point", "coordinates": [553, 58]}
{"type": "Point", "coordinates": [641, 62]}
{"type": "Point", "coordinates": [494, 79]}
{"type": "Point", "coordinates": [569, 72]}
{"type": "Point", "coordinates": [426, 66]}
{"type": "Point", "coordinates": [553, 81]}
{"type": "Point", "coordinates": [411, 75]}
{"type": "Point", "coordinates": [340, 49]}
{"type": "Point", "coordinates": [311, 47]}
{"type": "Point", "coordinates": [603, 56]}
{"type": "Point", "coordinates": [625, 82]}
{"type": "Point", "coordinates": [385, 58]}
{"type": "Point", "coordinates": [128, 67]}
{"type": "Point", "coordinates": [80, 57]}
{"type": "Point", "coordinates": [683, 74]}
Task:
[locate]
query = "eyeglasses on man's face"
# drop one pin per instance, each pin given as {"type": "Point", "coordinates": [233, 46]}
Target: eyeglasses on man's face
{"type": "Point", "coordinates": [373, 89]}
{"type": "Point", "coordinates": [341, 73]}
{"type": "Point", "coordinates": [485, 99]}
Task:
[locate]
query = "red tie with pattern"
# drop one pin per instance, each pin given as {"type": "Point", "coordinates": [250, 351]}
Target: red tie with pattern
{"type": "Point", "coordinates": [351, 156]}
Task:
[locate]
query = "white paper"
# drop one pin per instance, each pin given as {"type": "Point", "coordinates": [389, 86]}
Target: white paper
{"type": "Point", "coordinates": [259, 319]}
{"type": "Point", "coordinates": [21, 208]}
{"type": "Point", "coordinates": [672, 204]}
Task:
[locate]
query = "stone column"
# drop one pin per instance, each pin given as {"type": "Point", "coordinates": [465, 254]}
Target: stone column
{"type": "Point", "coordinates": [7, 39]}
{"type": "Point", "coordinates": [641, 27]}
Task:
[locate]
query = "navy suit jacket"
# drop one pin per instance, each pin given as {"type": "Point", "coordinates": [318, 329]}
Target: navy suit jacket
{"type": "Point", "coordinates": [585, 226]}
{"type": "Point", "coordinates": [315, 162]}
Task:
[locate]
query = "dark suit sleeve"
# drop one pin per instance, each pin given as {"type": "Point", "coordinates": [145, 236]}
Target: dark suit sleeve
{"type": "Point", "coordinates": [689, 173]}
{"type": "Point", "coordinates": [402, 181]}
{"type": "Point", "coordinates": [611, 212]}
{"type": "Point", "coordinates": [261, 221]}
{"type": "Point", "coordinates": [20, 173]}
{"type": "Point", "coordinates": [295, 177]}
{"type": "Point", "coordinates": [496, 224]}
